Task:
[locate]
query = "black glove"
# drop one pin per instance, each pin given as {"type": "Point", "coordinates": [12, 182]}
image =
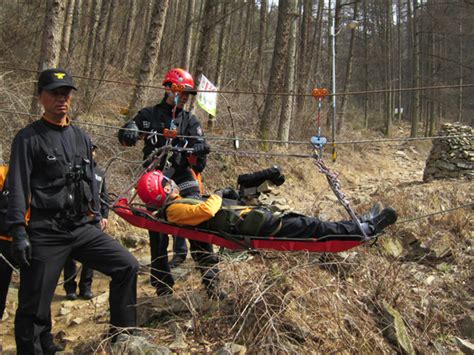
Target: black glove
{"type": "Point", "coordinates": [130, 136]}
{"type": "Point", "coordinates": [230, 193]}
{"type": "Point", "coordinates": [178, 160]}
{"type": "Point", "coordinates": [201, 149]}
{"type": "Point", "coordinates": [20, 247]}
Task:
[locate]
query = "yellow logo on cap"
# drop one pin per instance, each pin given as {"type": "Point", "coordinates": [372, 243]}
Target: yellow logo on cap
{"type": "Point", "coordinates": [59, 75]}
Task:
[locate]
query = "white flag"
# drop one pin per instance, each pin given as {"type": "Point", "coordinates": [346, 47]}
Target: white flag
{"type": "Point", "coordinates": [207, 100]}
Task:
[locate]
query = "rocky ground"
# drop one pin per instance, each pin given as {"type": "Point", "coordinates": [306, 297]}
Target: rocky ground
{"type": "Point", "coordinates": [411, 292]}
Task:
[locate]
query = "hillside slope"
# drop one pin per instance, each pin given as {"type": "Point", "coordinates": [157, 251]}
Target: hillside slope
{"type": "Point", "coordinates": [411, 291]}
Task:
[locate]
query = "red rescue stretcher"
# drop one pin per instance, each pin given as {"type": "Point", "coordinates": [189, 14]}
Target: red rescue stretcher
{"type": "Point", "coordinates": [142, 218]}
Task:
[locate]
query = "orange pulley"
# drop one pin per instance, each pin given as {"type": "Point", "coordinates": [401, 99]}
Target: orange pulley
{"type": "Point", "coordinates": [168, 133]}
{"type": "Point", "coordinates": [319, 93]}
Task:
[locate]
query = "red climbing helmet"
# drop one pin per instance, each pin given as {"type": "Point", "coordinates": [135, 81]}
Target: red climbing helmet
{"type": "Point", "coordinates": [179, 76]}
{"type": "Point", "coordinates": [150, 188]}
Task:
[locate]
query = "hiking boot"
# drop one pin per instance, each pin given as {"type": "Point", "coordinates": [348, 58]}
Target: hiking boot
{"type": "Point", "coordinates": [375, 210]}
{"type": "Point", "coordinates": [71, 296]}
{"type": "Point", "coordinates": [86, 295]}
{"type": "Point", "coordinates": [382, 220]}
{"type": "Point", "coordinates": [51, 349]}
{"type": "Point", "coordinates": [175, 262]}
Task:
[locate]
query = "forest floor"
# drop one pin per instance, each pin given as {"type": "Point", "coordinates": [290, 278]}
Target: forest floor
{"type": "Point", "coordinates": [419, 271]}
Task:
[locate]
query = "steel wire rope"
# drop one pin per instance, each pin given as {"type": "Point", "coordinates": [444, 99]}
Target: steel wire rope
{"type": "Point", "coordinates": [362, 141]}
{"type": "Point", "coordinates": [264, 93]}
{"type": "Point", "coordinates": [406, 220]}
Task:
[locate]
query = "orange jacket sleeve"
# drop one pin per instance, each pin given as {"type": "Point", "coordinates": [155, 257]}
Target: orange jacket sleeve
{"type": "Point", "coordinates": [193, 215]}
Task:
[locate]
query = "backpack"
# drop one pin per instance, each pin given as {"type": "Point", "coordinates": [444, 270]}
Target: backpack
{"type": "Point", "coordinates": [259, 221]}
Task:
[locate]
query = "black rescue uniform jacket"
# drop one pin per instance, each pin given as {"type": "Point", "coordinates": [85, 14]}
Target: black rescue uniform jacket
{"type": "Point", "coordinates": [155, 119]}
{"type": "Point", "coordinates": [51, 170]}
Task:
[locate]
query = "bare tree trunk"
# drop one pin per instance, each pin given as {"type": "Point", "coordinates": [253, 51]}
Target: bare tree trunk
{"type": "Point", "coordinates": [415, 115]}
{"type": "Point", "coordinates": [129, 27]}
{"type": "Point", "coordinates": [95, 67]}
{"type": "Point", "coordinates": [50, 43]}
{"type": "Point", "coordinates": [170, 31]}
{"type": "Point", "coordinates": [348, 76]}
{"type": "Point", "coordinates": [99, 41]}
{"type": "Point", "coordinates": [75, 29]}
{"type": "Point", "coordinates": [461, 72]}
{"type": "Point", "coordinates": [366, 67]}
{"type": "Point", "coordinates": [188, 36]}
{"type": "Point", "coordinates": [197, 35]}
{"type": "Point", "coordinates": [303, 63]}
{"type": "Point", "coordinates": [272, 102]}
{"type": "Point", "coordinates": [432, 116]}
{"type": "Point", "coordinates": [242, 69]}
{"type": "Point", "coordinates": [400, 49]}
{"type": "Point", "coordinates": [150, 55]}
{"type": "Point", "coordinates": [288, 101]}
{"type": "Point", "coordinates": [261, 43]}
{"type": "Point", "coordinates": [94, 14]}
{"type": "Point", "coordinates": [69, 16]}
{"type": "Point", "coordinates": [223, 44]}
{"type": "Point", "coordinates": [336, 11]}
{"type": "Point", "coordinates": [147, 17]}
{"type": "Point", "coordinates": [85, 20]}
{"type": "Point", "coordinates": [316, 52]}
{"type": "Point", "coordinates": [388, 67]}
{"type": "Point", "coordinates": [107, 50]}
{"type": "Point", "coordinates": [207, 26]}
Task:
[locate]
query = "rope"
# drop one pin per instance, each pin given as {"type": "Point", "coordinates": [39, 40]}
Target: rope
{"type": "Point", "coordinates": [256, 140]}
{"type": "Point", "coordinates": [434, 213]}
{"type": "Point", "coordinates": [262, 93]}
{"type": "Point", "coordinates": [9, 264]}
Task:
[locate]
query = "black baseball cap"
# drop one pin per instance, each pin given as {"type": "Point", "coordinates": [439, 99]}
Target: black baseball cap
{"type": "Point", "coordinates": [51, 79]}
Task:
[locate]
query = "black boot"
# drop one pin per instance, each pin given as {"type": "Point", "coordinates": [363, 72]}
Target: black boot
{"type": "Point", "coordinates": [51, 348]}
{"type": "Point", "coordinates": [375, 210]}
{"type": "Point", "coordinates": [86, 295]}
{"type": "Point", "coordinates": [382, 220]}
{"type": "Point", "coordinates": [164, 291]}
{"type": "Point", "coordinates": [176, 261]}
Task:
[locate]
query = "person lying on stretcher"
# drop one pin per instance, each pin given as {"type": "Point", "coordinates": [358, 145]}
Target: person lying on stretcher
{"type": "Point", "coordinates": [227, 216]}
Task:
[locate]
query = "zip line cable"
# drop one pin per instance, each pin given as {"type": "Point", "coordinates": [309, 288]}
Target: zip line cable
{"type": "Point", "coordinates": [435, 213]}
{"type": "Point", "coordinates": [362, 141]}
{"type": "Point", "coordinates": [262, 93]}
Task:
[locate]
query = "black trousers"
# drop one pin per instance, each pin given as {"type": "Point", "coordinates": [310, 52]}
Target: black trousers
{"type": "Point", "coordinates": [51, 247]}
{"type": "Point", "coordinates": [180, 249]}
{"type": "Point", "coordinates": [201, 252]}
{"type": "Point", "coordinates": [299, 226]}
{"type": "Point", "coordinates": [5, 273]}
{"type": "Point", "coordinates": [70, 284]}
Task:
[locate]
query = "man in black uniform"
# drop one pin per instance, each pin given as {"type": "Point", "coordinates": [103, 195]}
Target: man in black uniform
{"type": "Point", "coordinates": [169, 114]}
{"type": "Point", "coordinates": [70, 270]}
{"type": "Point", "coordinates": [51, 171]}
